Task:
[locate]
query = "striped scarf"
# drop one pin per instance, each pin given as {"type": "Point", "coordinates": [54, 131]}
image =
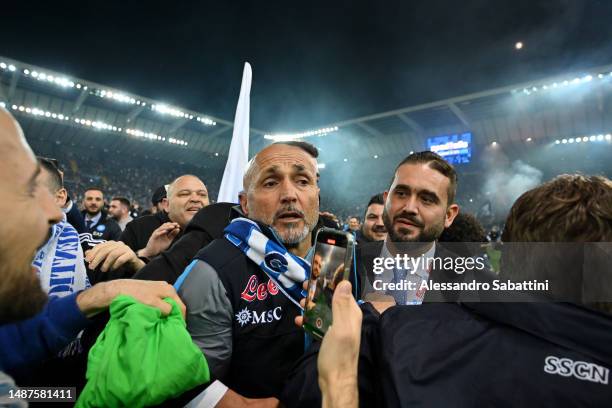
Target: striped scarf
{"type": "Point", "coordinates": [288, 271]}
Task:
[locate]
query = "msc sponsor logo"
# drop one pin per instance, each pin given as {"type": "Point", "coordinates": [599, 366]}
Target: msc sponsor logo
{"type": "Point", "coordinates": [255, 290]}
{"type": "Point", "coordinates": [578, 369]}
{"type": "Point", "coordinates": [246, 316]}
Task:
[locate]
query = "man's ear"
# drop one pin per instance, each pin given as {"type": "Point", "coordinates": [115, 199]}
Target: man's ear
{"type": "Point", "coordinates": [243, 203]}
{"type": "Point", "coordinates": [451, 213]}
{"type": "Point", "coordinates": [61, 196]}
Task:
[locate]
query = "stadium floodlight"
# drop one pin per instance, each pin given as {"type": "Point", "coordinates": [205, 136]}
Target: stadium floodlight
{"type": "Point", "coordinates": [592, 138]}
{"type": "Point", "coordinates": [557, 141]}
{"type": "Point", "coordinates": [3, 65]}
{"type": "Point", "coordinates": [571, 140]}
{"type": "Point", "coordinates": [345, 159]}
{"type": "Point", "coordinates": [585, 139]}
{"type": "Point", "coordinates": [551, 86]}
{"type": "Point", "coordinates": [206, 121]}
{"type": "Point", "coordinates": [600, 137]}
{"type": "Point", "coordinates": [2, 104]}
{"type": "Point", "coordinates": [321, 166]}
{"type": "Point", "coordinates": [58, 80]}
{"type": "Point", "coordinates": [12, 68]}
{"type": "Point", "coordinates": [169, 110]}
{"type": "Point", "coordinates": [153, 136]}
{"type": "Point", "coordinates": [284, 137]}
{"type": "Point", "coordinates": [216, 154]}
{"type": "Point", "coordinates": [29, 110]}
{"type": "Point", "coordinates": [117, 96]}
{"type": "Point", "coordinates": [376, 156]}
{"type": "Point", "coordinates": [608, 137]}
{"type": "Point", "coordinates": [564, 141]}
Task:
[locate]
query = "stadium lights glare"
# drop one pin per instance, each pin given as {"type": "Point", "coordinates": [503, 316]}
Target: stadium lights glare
{"type": "Point", "coordinates": [584, 139]}
{"type": "Point", "coordinates": [118, 96]}
{"type": "Point", "coordinates": [168, 110]}
{"type": "Point", "coordinates": [60, 81]}
{"type": "Point", "coordinates": [561, 84]}
{"type": "Point", "coordinates": [153, 136]}
{"type": "Point", "coordinates": [206, 121]}
{"type": "Point", "coordinates": [95, 124]}
{"type": "Point", "coordinates": [39, 112]}
{"type": "Point", "coordinates": [283, 137]}
{"type": "Point", "coordinates": [321, 166]}
{"type": "Point", "coordinates": [110, 94]}
{"type": "Point", "coordinates": [2, 104]}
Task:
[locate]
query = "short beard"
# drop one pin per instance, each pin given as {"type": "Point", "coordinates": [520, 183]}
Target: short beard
{"type": "Point", "coordinates": [21, 295]}
{"type": "Point", "coordinates": [426, 235]}
{"type": "Point", "coordinates": [92, 213]}
{"type": "Point", "coordinates": [293, 236]}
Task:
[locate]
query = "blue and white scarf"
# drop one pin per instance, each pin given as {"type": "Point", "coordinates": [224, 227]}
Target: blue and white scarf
{"type": "Point", "coordinates": [288, 271]}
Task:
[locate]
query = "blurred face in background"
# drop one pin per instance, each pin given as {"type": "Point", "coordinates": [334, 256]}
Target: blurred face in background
{"type": "Point", "coordinates": [93, 201]}
{"type": "Point", "coordinates": [373, 226]}
{"type": "Point", "coordinates": [353, 224]}
{"type": "Point", "coordinates": [117, 210]}
{"type": "Point", "coordinates": [186, 196]}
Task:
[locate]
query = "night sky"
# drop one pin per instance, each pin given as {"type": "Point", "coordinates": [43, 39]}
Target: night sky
{"type": "Point", "coordinates": [313, 63]}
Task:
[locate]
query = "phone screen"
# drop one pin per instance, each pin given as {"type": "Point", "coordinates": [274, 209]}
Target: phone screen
{"type": "Point", "coordinates": [328, 269]}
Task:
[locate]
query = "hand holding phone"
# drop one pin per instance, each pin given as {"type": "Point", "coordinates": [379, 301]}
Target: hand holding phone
{"type": "Point", "coordinates": [331, 264]}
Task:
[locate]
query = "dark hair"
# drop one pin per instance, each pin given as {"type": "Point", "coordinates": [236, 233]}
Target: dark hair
{"type": "Point", "coordinates": [376, 199]}
{"type": "Point", "coordinates": [94, 188]}
{"type": "Point", "coordinates": [123, 201]}
{"type": "Point", "coordinates": [436, 162]}
{"type": "Point", "coordinates": [465, 228]}
{"type": "Point", "coordinates": [55, 177]}
{"type": "Point", "coordinates": [569, 208]}
{"type": "Point", "coordinates": [305, 146]}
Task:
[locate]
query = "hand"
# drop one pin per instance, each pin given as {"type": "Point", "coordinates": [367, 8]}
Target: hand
{"type": "Point", "coordinates": [329, 215]}
{"type": "Point", "coordinates": [232, 399]}
{"type": "Point", "coordinates": [112, 255]}
{"type": "Point", "coordinates": [160, 240]}
{"type": "Point", "coordinates": [338, 356]}
{"type": "Point", "coordinates": [152, 293]}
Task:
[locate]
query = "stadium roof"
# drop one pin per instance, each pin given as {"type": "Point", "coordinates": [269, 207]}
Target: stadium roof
{"type": "Point", "coordinates": [74, 111]}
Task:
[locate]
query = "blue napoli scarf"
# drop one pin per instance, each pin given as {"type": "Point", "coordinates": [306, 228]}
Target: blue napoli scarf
{"type": "Point", "coordinates": [288, 271]}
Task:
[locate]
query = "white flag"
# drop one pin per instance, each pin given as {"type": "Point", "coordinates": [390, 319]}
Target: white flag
{"type": "Point", "coordinates": [238, 156]}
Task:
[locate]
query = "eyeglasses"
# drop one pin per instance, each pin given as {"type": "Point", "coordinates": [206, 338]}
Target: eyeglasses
{"type": "Point", "coordinates": [49, 160]}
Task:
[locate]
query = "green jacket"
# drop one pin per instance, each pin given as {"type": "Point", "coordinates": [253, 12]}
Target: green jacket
{"type": "Point", "coordinates": [142, 358]}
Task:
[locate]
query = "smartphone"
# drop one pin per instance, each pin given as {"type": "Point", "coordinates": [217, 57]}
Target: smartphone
{"type": "Point", "coordinates": [331, 263]}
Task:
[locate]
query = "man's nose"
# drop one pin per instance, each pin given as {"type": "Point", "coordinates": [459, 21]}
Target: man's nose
{"type": "Point", "coordinates": [411, 206]}
{"type": "Point", "coordinates": [52, 211]}
{"type": "Point", "coordinates": [288, 192]}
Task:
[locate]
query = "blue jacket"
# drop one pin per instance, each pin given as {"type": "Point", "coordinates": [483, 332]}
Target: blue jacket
{"type": "Point", "coordinates": [44, 335]}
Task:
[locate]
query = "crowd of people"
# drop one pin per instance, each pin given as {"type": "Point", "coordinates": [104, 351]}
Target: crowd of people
{"type": "Point", "coordinates": [200, 304]}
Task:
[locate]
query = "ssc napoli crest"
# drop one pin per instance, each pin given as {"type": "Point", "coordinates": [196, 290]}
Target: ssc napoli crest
{"type": "Point", "coordinates": [276, 262]}
{"type": "Point", "coordinates": [100, 228]}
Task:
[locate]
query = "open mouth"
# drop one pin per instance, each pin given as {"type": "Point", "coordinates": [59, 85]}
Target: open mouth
{"type": "Point", "coordinates": [290, 216]}
{"type": "Point", "coordinates": [193, 209]}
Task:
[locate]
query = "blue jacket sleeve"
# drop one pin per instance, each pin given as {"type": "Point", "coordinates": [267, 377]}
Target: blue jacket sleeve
{"type": "Point", "coordinates": [75, 218]}
{"type": "Point", "coordinates": [42, 336]}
